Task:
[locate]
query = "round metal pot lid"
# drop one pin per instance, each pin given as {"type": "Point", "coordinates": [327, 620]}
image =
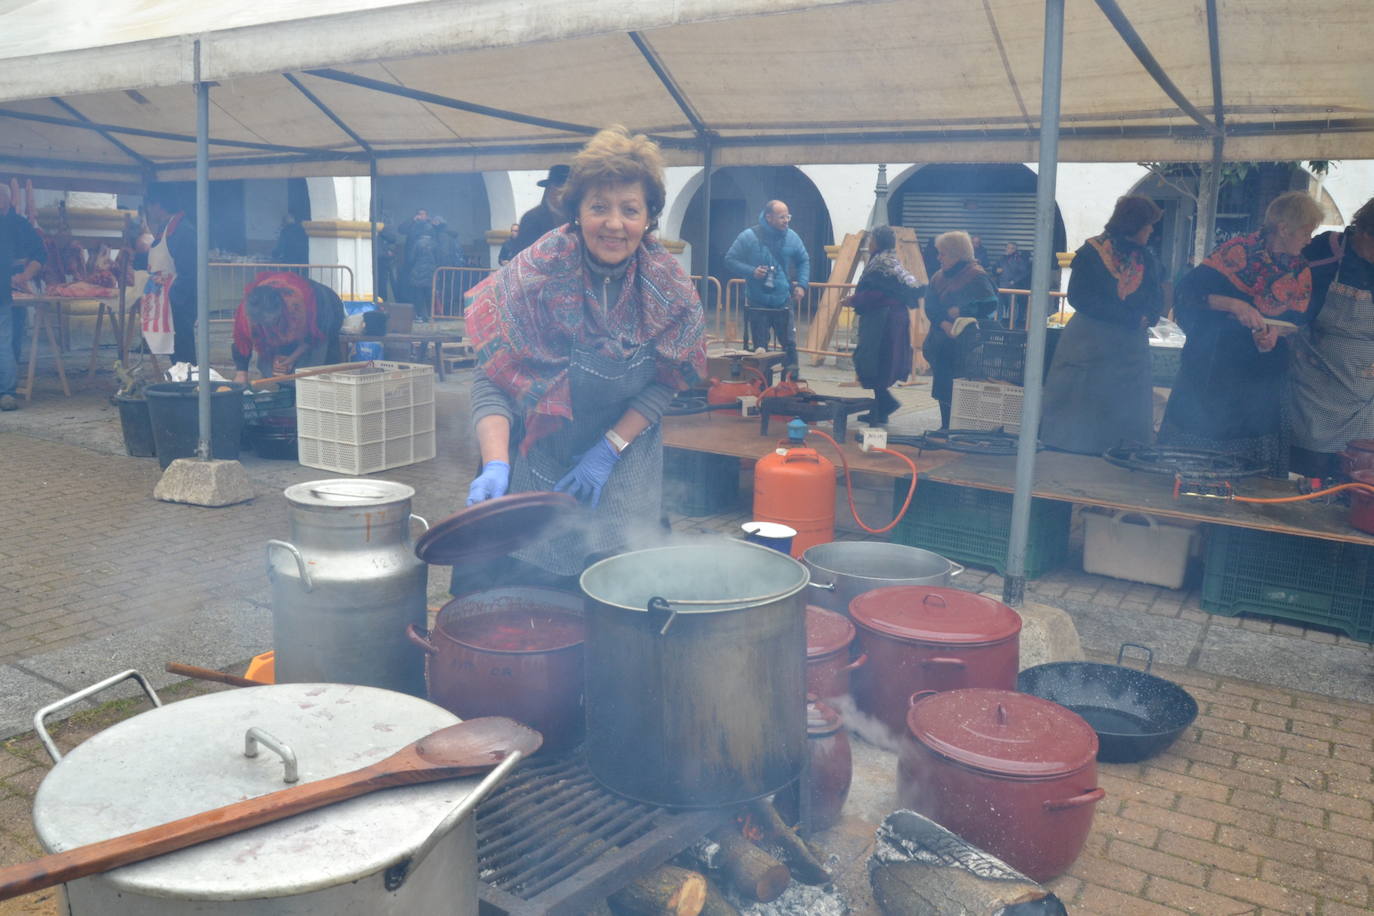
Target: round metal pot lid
{"type": "Point", "coordinates": [187, 757]}
{"type": "Point", "coordinates": [826, 632]}
{"type": "Point", "coordinates": [1003, 732]}
{"type": "Point", "coordinates": [348, 493]}
{"type": "Point", "coordinates": [493, 529]}
{"type": "Point", "coordinates": [930, 614]}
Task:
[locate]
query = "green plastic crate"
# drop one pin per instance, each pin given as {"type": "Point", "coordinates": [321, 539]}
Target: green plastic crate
{"type": "Point", "coordinates": [698, 484]}
{"type": "Point", "coordinates": [1164, 363]}
{"type": "Point", "coordinates": [972, 526]}
{"type": "Point", "coordinates": [1328, 583]}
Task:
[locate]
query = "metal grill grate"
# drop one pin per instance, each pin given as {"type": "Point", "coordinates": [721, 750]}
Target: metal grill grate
{"type": "Point", "coordinates": [552, 840]}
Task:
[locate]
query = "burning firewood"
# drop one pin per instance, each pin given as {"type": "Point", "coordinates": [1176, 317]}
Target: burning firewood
{"type": "Point", "coordinates": [753, 873]}
{"type": "Point", "coordinates": [716, 904]}
{"type": "Point", "coordinates": [805, 865]}
{"type": "Point", "coordinates": [669, 891]}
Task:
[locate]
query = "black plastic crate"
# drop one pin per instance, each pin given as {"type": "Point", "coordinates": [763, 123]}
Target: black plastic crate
{"type": "Point", "coordinates": [1310, 580]}
{"type": "Point", "coordinates": [699, 483]}
{"type": "Point", "coordinates": [973, 526]}
{"type": "Point", "coordinates": [1003, 354]}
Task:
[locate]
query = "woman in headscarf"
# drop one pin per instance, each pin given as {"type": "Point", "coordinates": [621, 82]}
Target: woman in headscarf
{"type": "Point", "coordinates": [1332, 374]}
{"type": "Point", "coordinates": [289, 322]}
{"type": "Point", "coordinates": [959, 290]}
{"type": "Point", "coordinates": [1099, 392]}
{"type": "Point", "coordinates": [884, 293]}
{"type": "Point", "coordinates": [581, 341]}
{"type": "Point", "coordinates": [1236, 308]}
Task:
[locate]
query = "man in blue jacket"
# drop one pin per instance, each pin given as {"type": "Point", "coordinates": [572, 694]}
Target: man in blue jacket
{"type": "Point", "coordinates": [776, 270]}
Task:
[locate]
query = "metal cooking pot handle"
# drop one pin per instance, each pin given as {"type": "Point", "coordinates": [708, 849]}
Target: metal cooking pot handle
{"type": "Point", "coordinates": [954, 569]}
{"type": "Point", "coordinates": [935, 599]}
{"type": "Point", "coordinates": [420, 637]}
{"type": "Point", "coordinates": [397, 874]}
{"type": "Point", "coordinates": [415, 518]}
{"type": "Point", "coordinates": [1089, 797]}
{"type": "Point", "coordinates": [856, 663]}
{"type": "Point", "coordinates": [80, 695]}
{"type": "Point", "coordinates": [300, 561]}
{"type": "Point", "coordinates": [661, 606]}
{"type": "Point", "coordinates": [939, 660]}
{"type": "Point", "coordinates": [920, 695]}
{"type": "Point", "coordinates": [255, 736]}
{"type": "Point", "coordinates": [823, 586]}
{"type": "Point", "coordinates": [1149, 655]}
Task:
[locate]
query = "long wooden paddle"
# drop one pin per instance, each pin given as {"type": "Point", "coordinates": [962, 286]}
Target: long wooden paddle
{"type": "Point", "coordinates": [465, 749]}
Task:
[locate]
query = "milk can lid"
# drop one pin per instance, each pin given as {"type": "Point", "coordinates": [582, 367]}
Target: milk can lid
{"type": "Point", "coordinates": [348, 493]}
{"type": "Point", "coordinates": [1003, 732]}
{"type": "Point", "coordinates": [188, 757]}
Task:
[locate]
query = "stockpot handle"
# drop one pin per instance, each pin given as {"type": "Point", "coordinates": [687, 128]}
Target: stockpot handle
{"type": "Point", "coordinates": [80, 695]}
{"type": "Point", "coordinates": [255, 736]}
{"type": "Point", "coordinates": [1149, 654]}
{"type": "Point", "coordinates": [856, 663]}
{"type": "Point", "coordinates": [823, 586]}
{"type": "Point", "coordinates": [300, 561]}
{"type": "Point", "coordinates": [920, 695]}
{"type": "Point", "coordinates": [944, 660]}
{"type": "Point", "coordinates": [415, 518]}
{"type": "Point", "coordinates": [954, 569]}
{"type": "Point", "coordinates": [396, 874]}
{"type": "Point", "coordinates": [1092, 796]}
{"type": "Point", "coordinates": [660, 605]}
{"type": "Point", "coordinates": [420, 636]}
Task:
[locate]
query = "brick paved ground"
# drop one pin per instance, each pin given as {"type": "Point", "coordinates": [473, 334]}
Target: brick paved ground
{"type": "Point", "coordinates": [1263, 807]}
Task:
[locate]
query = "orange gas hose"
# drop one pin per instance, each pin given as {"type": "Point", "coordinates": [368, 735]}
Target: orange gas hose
{"type": "Point", "coordinates": [849, 484]}
{"type": "Point", "coordinates": [1305, 496]}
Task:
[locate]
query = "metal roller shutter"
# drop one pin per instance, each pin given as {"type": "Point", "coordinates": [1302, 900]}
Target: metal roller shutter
{"type": "Point", "coordinates": [995, 218]}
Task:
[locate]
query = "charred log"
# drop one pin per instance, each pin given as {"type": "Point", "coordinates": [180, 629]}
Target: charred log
{"type": "Point", "coordinates": [753, 873]}
{"type": "Point", "coordinates": [669, 891]}
{"type": "Point", "coordinates": [803, 862]}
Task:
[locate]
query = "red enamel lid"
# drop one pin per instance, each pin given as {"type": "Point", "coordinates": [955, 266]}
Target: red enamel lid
{"type": "Point", "coordinates": [821, 720]}
{"type": "Point", "coordinates": [826, 631]}
{"type": "Point", "coordinates": [1003, 732]}
{"type": "Point", "coordinates": [924, 613]}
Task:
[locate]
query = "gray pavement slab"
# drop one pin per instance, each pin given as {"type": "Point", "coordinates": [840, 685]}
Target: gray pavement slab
{"type": "Point", "coordinates": [1103, 629]}
{"type": "Point", "coordinates": [1337, 671]}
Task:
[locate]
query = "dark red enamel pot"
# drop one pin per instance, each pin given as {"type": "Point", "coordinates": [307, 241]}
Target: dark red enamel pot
{"type": "Point", "coordinates": [921, 637]}
{"type": "Point", "coordinates": [829, 637]}
{"type": "Point", "coordinates": [1012, 774]}
{"type": "Point", "coordinates": [831, 773]}
{"type": "Point", "coordinates": [1361, 502]}
{"type": "Point", "coordinates": [515, 652]}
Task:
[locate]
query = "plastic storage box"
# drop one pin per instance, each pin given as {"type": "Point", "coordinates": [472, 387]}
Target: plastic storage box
{"type": "Point", "coordinates": [363, 420]}
{"type": "Point", "coordinates": [1135, 546]}
{"type": "Point", "coordinates": [986, 405]}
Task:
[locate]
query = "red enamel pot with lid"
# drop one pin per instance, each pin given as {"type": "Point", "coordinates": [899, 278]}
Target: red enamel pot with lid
{"type": "Point", "coordinates": [921, 637]}
{"type": "Point", "coordinates": [829, 637]}
{"type": "Point", "coordinates": [1011, 773]}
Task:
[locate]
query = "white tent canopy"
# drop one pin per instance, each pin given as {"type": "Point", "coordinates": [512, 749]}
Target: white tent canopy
{"type": "Point", "coordinates": [329, 86]}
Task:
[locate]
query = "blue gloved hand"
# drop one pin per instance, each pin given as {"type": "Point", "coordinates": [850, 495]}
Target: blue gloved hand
{"type": "Point", "coordinates": [591, 473]}
{"type": "Point", "coordinates": [494, 481]}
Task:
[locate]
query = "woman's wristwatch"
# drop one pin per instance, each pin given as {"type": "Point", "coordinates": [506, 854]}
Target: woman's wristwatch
{"type": "Point", "coordinates": [618, 442]}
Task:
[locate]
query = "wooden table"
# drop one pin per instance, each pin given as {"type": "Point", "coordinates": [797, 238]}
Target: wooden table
{"type": "Point", "coordinates": [1092, 481]}
{"type": "Point", "coordinates": [719, 365]}
{"type": "Point", "coordinates": [432, 334]}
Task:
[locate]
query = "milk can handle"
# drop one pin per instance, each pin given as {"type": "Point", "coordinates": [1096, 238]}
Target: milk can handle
{"type": "Point", "coordinates": [415, 518]}
{"type": "Point", "coordinates": [255, 736]}
{"type": "Point", "coordinates": [300, 561]}
{"type": "Point", "coordinates": [80, 695]}
{"type": "Point", "coordinates": [397, 874]}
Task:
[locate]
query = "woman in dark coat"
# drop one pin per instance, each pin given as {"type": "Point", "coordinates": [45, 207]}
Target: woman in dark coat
{"type": "Point", "coordinates": [1099, 392]}
{"type": "Point", "coordinates": [959, 290]}
{"type": "Point", "coordinates": [1232, 370]}
{"type": "Point", "coordinates": [881, 299]}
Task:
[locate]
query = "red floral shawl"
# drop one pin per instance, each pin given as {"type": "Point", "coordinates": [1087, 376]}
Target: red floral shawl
{"type": "Point", "coordinates": [1276, 283]}
{"type": "Point", "coordinates": [297, 321]}
{"type": "Point", "coordinates": [1126, 267]}
{"type": "Point", "coordinates": [526, 318]}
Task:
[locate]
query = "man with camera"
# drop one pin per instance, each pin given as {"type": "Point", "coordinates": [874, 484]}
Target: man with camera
{"type": "Point", "coordinates": [776, 270]}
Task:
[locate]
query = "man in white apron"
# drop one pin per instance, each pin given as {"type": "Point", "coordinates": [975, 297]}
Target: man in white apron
{"type": "Point", "coordinates": [1332, 375]}
{"type": "Point", "coordinates": [168, 305]}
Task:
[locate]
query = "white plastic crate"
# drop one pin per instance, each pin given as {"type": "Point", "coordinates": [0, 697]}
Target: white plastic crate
{"type": "Point", "coordinates": [1137, 547]}
{"type": "Point", "coordinates": [364, 420]}
{"type": "Point", "coordinates": [986, 405]}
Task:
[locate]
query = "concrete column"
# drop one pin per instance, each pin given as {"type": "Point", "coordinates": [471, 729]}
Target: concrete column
{"type": "Point", "coordinates": [339, 231]}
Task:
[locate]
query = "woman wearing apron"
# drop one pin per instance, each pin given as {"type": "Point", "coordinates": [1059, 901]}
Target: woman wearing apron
{"type": "Point", "coordinates": [581, 341]}
{"type": "Point", "coordinates": [1332, 375]}
{"type": "Point", "coordinates": [1098, 394]}
{"type": "Point", "coordinates": [168, 306]}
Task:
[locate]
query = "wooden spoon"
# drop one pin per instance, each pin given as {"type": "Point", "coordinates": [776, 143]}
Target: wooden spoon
{"type": "Point", "coordinates": [465, 749]}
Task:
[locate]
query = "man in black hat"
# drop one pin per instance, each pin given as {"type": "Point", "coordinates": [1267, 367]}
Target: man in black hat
{"type": "Point", "coordinates": [545, 217]}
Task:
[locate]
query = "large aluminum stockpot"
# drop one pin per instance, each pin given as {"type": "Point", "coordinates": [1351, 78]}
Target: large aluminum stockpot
{"type": "Point", "coordinates": [843, 570]}
{"type": "Point", "coordinates": [695, 660]}
{"type": "Point", "coordinates": [189, 757]}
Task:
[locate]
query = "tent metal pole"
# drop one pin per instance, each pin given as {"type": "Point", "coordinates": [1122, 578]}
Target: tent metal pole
{"type": "Point", "coordinates": [374, 209]}
{"type": "Point", "coordinates": [1014, 585]}
{"type": "Point", "coordinates": [203, 256]}
{"type": "Point", "coordinates": [708, 155]}
{"type": "Point", "coordinates": [1209, 190]}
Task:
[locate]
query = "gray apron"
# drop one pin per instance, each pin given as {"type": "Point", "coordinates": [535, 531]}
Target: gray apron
{"type": "Point", "coordinates": [601, 388]}
{"type": "Point", "coordinates": [1099, 392]}
{"type": "Point", "coordinates": [1332, 373]}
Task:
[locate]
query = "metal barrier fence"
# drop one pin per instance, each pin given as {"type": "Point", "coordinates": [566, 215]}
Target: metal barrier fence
{"type": "Point", "coordinates": [228, 278]}
{"type": "Point", "coordinates": [727, 325]}
{"type": "Point", "coordinates": [450, 286]}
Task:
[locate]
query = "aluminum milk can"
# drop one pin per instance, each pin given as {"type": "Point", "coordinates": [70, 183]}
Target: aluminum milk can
{"type": "Point", "coordinates": [346, 585]}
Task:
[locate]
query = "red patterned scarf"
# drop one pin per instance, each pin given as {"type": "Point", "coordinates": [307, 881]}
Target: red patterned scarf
{"type": "Point", "coordinates": [526, 318]}
{"type": "Point", "coordinates": [1276, 283]}
{"type": "Point", "coordinates": [297, 322]}
{"type": "Point", "coordinates": [1126, 267]}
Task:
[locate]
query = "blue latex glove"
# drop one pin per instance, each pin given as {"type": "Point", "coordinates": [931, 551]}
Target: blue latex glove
{"type": "Point", "coordinates": [494, 481]}
{"type": "Point", "coordinates": [591, 473]}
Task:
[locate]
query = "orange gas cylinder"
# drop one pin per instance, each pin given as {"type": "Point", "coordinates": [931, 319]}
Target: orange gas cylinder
{"type": "Point", "coordinates": [795, 485]}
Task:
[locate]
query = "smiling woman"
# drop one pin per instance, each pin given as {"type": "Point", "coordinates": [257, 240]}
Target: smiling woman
{"type": "Point", "coordinates": [581, 340]}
